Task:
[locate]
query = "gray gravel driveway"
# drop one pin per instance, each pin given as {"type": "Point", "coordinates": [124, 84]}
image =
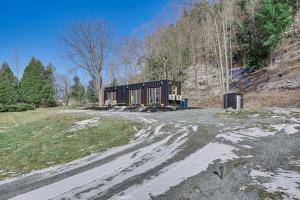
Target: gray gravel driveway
{"type": "Point", "coordinates": [191, 154]}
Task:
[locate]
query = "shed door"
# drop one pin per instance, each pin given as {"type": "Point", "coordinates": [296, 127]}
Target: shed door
{"type": "Point", "coordinates": [238, 102]}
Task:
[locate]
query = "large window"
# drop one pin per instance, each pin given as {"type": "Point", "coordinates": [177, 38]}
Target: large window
{"type": "Point", "coordinates": [111, 97]}
{"type": "Point", "coordinates": [135, 97]}
{"type": "Point", "coordinates": [154, 96]}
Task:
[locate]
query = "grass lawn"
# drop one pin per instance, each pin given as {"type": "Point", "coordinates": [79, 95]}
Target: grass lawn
{"type": "Point", "coordinates": [10, 119]}
{"type": "Point", "coordinates": [38, 139]}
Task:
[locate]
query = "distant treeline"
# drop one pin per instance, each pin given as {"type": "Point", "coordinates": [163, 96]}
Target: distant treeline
{"type": "Point", "coordinates": [40, 86]}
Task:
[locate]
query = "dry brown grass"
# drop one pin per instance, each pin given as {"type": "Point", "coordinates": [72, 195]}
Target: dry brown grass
{"type": "Point", "coordinates": [272, 98]}
{"type": "Point", "coordinates": [213, 102]}
{"type": "Point", "coordinates": [255, 100]}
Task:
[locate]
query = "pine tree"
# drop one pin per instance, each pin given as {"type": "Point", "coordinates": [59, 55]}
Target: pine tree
{"type": "Point", "coordinates": [32, 83]}
{"type": "Point", "coordinates": [261, 33]}
{"type": "Point", "coordinates": [77, 90]}
{"type": "Point", "coordinates": [8, 85]}
{"type": "Point", "coordinates": [48, 96]}
{"type": "Point", "coordinates": [275, 17]}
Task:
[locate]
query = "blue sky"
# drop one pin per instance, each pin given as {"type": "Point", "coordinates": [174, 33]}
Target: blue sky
{"type": "Point", "coordinates": [32, 27]}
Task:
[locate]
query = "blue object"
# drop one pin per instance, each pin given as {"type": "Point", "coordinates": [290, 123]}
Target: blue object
{"type": "Point", "coordinates": [184, 103]}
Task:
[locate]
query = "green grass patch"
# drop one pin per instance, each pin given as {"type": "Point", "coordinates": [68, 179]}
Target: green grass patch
{"type": "Point", "coordinates": [14, 119]}
{"type": "Point", "coordinates": [46, 142]}
{"type": "Point", "coordinates": [263, 195]}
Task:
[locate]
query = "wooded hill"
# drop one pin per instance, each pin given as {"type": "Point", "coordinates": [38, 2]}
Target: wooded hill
{"type": "Point", "coordinates": [212, 38]}
{"type": "Point", "coordinates": [222, 34]}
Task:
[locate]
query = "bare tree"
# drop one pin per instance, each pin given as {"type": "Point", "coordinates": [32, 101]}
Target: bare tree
{"type": "Point", "coordinates": [63, 87]}
{"type": "Point", "coordinates": [220, 33]}
{"type": "Point", "coordinates": [128, 55]}
{"type": "Point", "coordinates": [88, 45]}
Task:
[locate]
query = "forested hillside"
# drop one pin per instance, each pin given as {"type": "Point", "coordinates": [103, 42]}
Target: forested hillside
{"type": "Point", "coordinates": [278, 84]}
{"type": "Point", "coordinates": [204, 48]}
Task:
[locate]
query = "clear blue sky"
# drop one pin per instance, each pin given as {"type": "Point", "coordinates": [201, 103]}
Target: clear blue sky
{"type": "Point", "coordinates": [32, 27]}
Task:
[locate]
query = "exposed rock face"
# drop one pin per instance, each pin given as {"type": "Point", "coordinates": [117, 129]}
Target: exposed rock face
{"type": "Point", "coordinates": [201, 84]}
{"type": "Point", "coordinates": [285, 84]}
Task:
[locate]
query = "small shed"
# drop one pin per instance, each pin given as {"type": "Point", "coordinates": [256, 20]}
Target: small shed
{"type": "Point", "coordinates": [233, 101]}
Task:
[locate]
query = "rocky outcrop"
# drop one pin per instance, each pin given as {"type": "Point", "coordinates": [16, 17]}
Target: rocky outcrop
{"type": "Point", "coordinates": [201, 84]}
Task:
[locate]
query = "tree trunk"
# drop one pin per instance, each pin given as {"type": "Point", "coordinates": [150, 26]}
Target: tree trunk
{"type": "Point", "coordinates": [100, 98]}
{"type": "Point", "coordinates": [226, 56]}
{"type": "Point", "coordinates": [67, 100]}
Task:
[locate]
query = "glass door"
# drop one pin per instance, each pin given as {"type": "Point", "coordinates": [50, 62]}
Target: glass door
{"type": "Point", "coordinates": [135, 97]}
{"type": "Point", "coordinates": [154, 96]}
{"type": "Point", "coordinates": [111, 97]}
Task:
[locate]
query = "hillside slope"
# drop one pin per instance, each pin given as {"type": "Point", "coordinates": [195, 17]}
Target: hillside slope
{"type": "Point", "coordinates": [279, 83]}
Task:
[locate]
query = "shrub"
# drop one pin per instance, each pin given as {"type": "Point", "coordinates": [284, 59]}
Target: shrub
{"type": "Point", "coordinates": [16, 107]}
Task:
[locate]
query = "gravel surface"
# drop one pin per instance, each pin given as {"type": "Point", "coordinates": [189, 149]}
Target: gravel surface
{"type": "Point", "coordinates": [191, 154]}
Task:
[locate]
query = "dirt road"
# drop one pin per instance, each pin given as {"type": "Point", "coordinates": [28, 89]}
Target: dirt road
{"type": "Point", "coordinates": [192, 154]}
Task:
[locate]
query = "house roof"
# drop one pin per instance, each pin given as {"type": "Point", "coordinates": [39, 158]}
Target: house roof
{"type": "Point", "coordinates": [132, 85]}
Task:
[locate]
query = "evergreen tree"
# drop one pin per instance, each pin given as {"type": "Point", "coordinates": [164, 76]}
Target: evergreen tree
{"type": "Point", "coordinates": [274, 17]}
{"type": "Point", "coordinates": [260, 35]}
{"type": "Point", "coordinates": [77, 90]}
{"type": "Point", "coordinates": [32, 83]}
{"type": "Point", "coordinates": [8, 85]}
{"type": "Point", "coordinates": [48, 96]}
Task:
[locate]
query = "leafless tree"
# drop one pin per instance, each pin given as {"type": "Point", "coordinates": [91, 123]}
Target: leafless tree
{"type": "Point", "coordinates": [219, 31]}
{"type": "Point", "coordinates": [88, 45]}
{"type": "Point", "coordinates": [63, 87]}
{"type": "Point", "coordinates": [129, 55]}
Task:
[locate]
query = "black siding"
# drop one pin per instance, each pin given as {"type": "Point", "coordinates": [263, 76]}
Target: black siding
{"type": "Point", "coordinates": [122, 92]}
{"type": "Point", "coordinates": [231, 102]}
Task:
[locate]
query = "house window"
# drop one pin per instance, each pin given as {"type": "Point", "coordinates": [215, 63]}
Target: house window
{"type": "Point", "coordinates": [111, 97]}
{"type": "Point", "coordinates": [154, 96]}
{"type": "Point", "coordinates": [135, 97]}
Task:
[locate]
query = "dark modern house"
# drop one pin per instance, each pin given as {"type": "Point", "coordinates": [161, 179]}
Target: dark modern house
{"type": "Point", "coordinates": [163, 93]}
